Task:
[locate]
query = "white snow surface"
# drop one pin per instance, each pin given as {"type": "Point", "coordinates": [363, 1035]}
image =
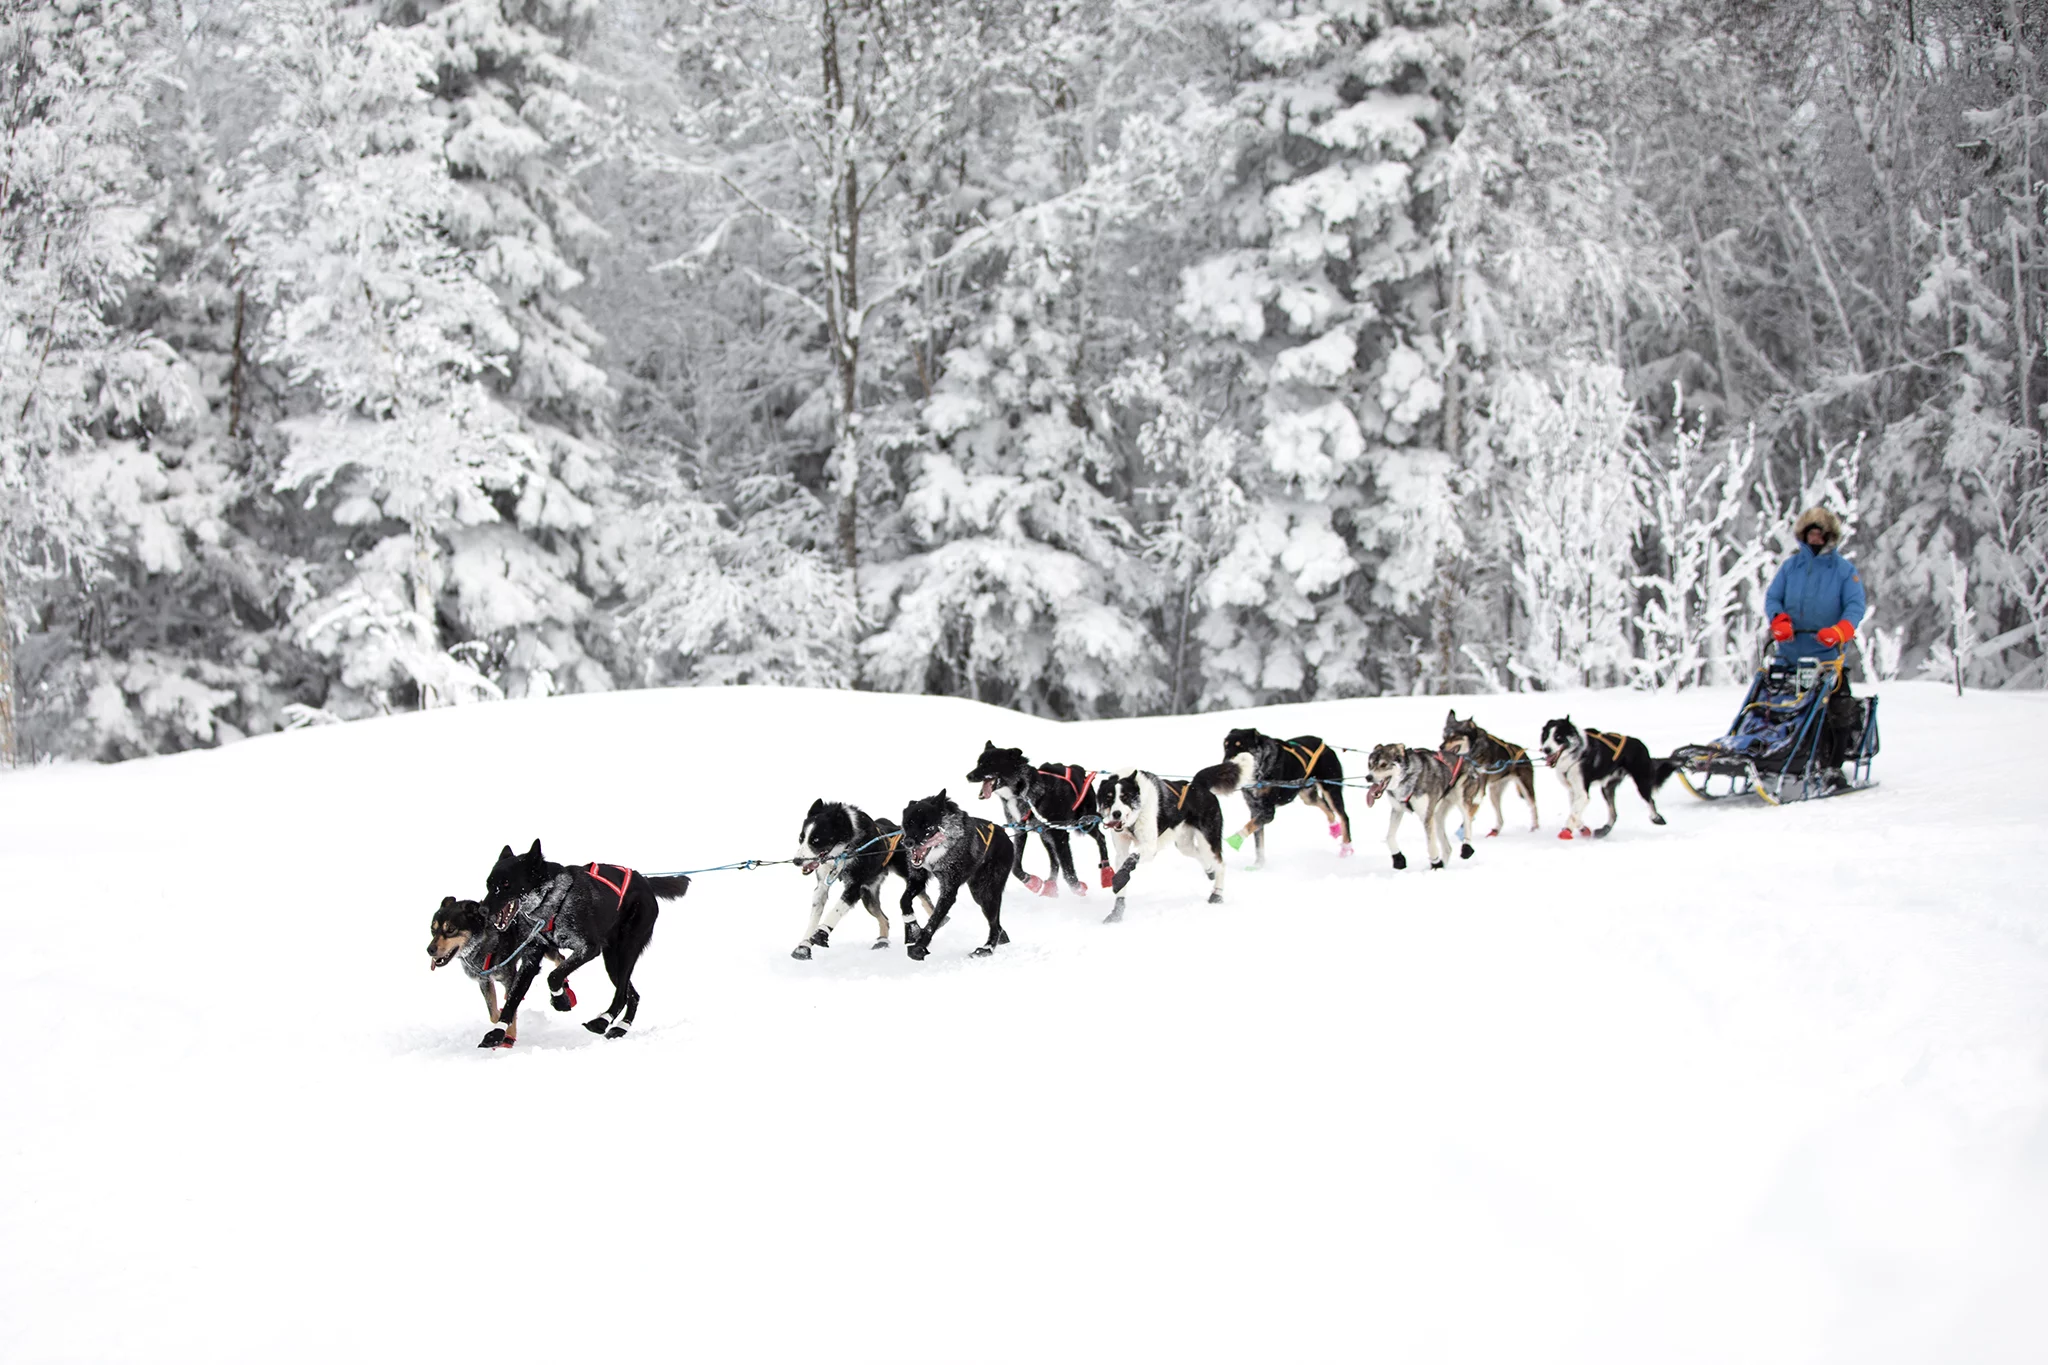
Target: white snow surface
{"type": "Point", "coordinates": [1760, 1086]}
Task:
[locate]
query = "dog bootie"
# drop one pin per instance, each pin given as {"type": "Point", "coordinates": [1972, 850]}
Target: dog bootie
{"type": "Point", "coordinates": [1108, 875]}
{"type": "Point", "coordinates": [1035, 884]}
{"type": "Point", "coordinates": [1346, 851]}
{"type": "Point", "coordinates": [1336, 830]}
{"type": "Point", "coordinates": [1049, 888]}
{"type": "Point", "coordinates": [1236, 841]}
{"type": "Point", "coordinates": [1564, 834]}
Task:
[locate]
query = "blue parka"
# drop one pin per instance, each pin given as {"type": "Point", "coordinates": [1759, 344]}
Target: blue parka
{"type": "Point", "coordinates": [1816, 588]}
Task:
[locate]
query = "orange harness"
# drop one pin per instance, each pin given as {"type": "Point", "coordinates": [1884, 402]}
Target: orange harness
{"type": "Point", "coordinates": [1080, 791]}
{"type": "Point", "coordinates": [1613, 742]}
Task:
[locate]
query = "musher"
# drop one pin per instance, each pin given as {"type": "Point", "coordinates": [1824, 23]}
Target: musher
{"type": "Point", "coordinates": [1815, 604]}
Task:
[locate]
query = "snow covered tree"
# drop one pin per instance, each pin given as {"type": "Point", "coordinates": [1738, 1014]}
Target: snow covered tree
{"type": "Point", "coordinates": [1328, 293]}
{"type": "Point", "coordinates": [81, 391]}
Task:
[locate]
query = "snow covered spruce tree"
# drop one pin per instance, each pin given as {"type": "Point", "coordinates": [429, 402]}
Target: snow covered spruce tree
{"type": "Point", "coordinates": [1325, 293]}
{"type": "Point", "coordinates": [84, 392]}
{"type": "Point", "coordinates": [409, 234]}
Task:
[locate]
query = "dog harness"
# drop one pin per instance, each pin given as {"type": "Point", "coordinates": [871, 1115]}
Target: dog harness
{"type": "Point", "coordinates": [1066, 775]}
{"type": "Point", "coordinates": [1182, 800]}
{"type": "Point", "coordinates": [988, 835]}
{"type": "Point", "coordinates": [1613, 742]}
{"type": "Point", "coordinates": [618, 888]}
{"type": "Point", "coordinates": [890, 851]}
{"type": "Point", "coordinates": [1308, 765]}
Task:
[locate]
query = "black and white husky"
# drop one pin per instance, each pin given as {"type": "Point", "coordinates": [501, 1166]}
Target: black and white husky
{"type": "Point", "coordinates": [1272, 772]}
{"type": "Point", "coordinates": [845, 847]}
{"type": "Point", "coordinates": [1143, 812]}
{"type": "Point", "coordinates": [1497, 764]}
{"type": "Point", "coordinates": [1595, 758]}
{"type": "Point", "coordinates": [1056, 797]}
{"type": "Point", "coordinates": [1427, 783]}
{"type": "Point", "coordinates": [952, 850]}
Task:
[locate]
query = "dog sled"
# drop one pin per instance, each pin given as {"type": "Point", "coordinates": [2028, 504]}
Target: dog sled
{"type": "Point", "coordinates": [1773, 750]}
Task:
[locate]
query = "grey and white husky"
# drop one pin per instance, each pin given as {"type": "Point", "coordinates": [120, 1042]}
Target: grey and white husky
{"type": "Point", "coordinates": [1430, 785]}
{"type": "Point", "coordinates": [851, 851]}
{"type": "Point", "coordinates": [1497, 764]}
{"type": "Point", "coordinates": [1143, 812]}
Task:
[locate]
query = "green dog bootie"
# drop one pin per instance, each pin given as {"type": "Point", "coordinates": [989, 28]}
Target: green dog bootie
{"type": "Point", "coordinates": [1236, 841]}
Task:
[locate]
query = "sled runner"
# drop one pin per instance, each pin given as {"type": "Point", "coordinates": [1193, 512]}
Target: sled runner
{"type": "Point", "coordinates": [1774, 748]}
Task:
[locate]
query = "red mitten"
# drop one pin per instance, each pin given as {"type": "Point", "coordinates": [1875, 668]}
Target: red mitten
{"type": "Point", "coordinates": [1781, 627]}
{"type": "Point", "coordinates": [1841, 632]}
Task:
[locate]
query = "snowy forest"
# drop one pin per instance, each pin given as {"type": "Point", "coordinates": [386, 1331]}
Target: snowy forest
{"type": "Point", "coordinates": [1088, 357]}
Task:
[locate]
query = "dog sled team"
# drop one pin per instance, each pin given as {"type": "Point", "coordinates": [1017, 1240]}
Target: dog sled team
{"type": "Point", "coordinates": [535, 911]}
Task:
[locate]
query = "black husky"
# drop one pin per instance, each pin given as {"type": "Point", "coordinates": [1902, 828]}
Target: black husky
{"type": "Point", "coordinates": [595, 909]}
{"type": "Point", "coordinates": [1058, 797]}
{"type": "Point", "coordinates": [953, 850]}
{"type": "Point", "coordinates": [1272, 772]}
{"type": "Point", "coordinates": [1598, 759]}
{"type": "Point", "coordinates": [843, 845]}
{"type": "Point", "coordinates": [1497, 762]}
{"type": "Point", "coordinates": [1143, 811]}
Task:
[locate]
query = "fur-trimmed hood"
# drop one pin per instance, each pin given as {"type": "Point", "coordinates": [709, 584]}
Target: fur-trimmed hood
{"type": "Point", "coordinates": [1830, 525]}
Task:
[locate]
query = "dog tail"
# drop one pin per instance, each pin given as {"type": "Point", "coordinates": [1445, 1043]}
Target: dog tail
{"type": "Point", "coordinates": [667, 888]}
{"type": "Point", "coordinates": [1221, 778]}
{"type": "Point", "coordinates": [1661, 773]}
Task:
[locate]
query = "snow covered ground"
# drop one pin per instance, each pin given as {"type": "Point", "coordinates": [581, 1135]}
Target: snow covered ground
{"type": "Point", "coordinates": [1760, 1086]}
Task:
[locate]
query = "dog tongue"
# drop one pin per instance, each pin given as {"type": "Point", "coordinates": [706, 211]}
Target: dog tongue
{"type": "Point", "coordinates": [988, 788]}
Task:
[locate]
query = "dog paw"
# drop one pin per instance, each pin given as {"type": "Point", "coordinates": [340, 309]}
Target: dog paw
{"type": "Point", "coordinates": [918, 952]}
{"type": "Point", "coordinates": [1215, 898]}
{"type": "Point", "coordinates": [614, 1033]}
{"type": "Point", "coordinates": [1116, 914]}
{"type": "Point", "coordinates": [597, 1025]}
{"type": "Point", "coordinates": [1435, 865]}
{"type": "Point", "coordinates": [879, 943]}
{"type": "Point", "coordinates": [822, 939]}
{"type": "Point", "coordinates": [1002, 936]}
{"type": "Point", "coordinates": [1493, 834]}
{"type": "Point", "coordinates": [1346, 851]}
{"type": "Point", "coordinates": [1465, 851]}
{"type": "Point", "coordinates": [1400, 861]}
{"type": "Point", "coordinates": [802, 952]}
{"type": "Point", "coordinates": [1656, 819]}
{"type": "Point", "coordinates": [983, 951]}
{"type": "Point", "coordinates": [1600, 833]}
{"type": "Point", "coordinates": [563, 1000]}
{"type": "Point", "coordinates": [496, 1038]}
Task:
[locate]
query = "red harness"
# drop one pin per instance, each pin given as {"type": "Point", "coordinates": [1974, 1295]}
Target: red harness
{"type": "Point", "coordinates": [1065, 775]}
{"type": "Point", "coordinates": [618, 888]}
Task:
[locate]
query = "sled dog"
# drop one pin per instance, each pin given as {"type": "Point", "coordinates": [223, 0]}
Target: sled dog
{"type": "Point", "coordinates": [1427, 783]}
{"type": "Point", "coordinates": [953, 850]}
{"type": "Point", "coordinates": [462, 932]}
{"type": "Point", "coordinates": [1143, 812]}
{"type": "Point", "coordinates": [1056, 796]}
{"type": "Point", "coordinates": [1595, 758]}
{"type": "Point", "coordinates": [1498, 765]}
{"type": "Point", "coordinates": [1272, 772]}
{"type": "Point", "coordinates": [598, 909]}
{"type": "Point", "coordinates": [845, 847]}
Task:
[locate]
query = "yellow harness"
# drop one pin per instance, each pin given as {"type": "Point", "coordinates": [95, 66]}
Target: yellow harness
{"type": "Point", "coordinates": [1613, 742]}
{"type": "Point", "coordinates": [988, 835]}
{"type": "Point", "coordinates": [1308, 765]}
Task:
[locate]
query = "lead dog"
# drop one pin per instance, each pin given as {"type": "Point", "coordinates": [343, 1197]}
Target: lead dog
{"type": "Point", "coordinates": [844, 846]}
{"type": "Point", "coordinates": [1055, 797]}
{"type": "Point", "coordinates": [1497, 764]}
{"type": "Point", "coordinates": [954, 850]}
{"type": "Point", "coordinates": [597, 909]}
{"type": "Point", "coordinates": [463, 932]}
{"type": "Point", "coordinates": [1407, 776]}
{"type": "Point", "coordinates": [1272, 772]}
{"type": "Point", "coordinates": [1143, 811]}
{"type": "Point", "coordinates": [1596, 758]}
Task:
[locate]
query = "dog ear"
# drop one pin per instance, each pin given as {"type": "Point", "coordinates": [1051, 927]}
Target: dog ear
{"type": "Point", "coordinates": [505, 852]}
{"type": "Point", "coordinates": [534, 852]}
{"type": "Point", "coordinates": [447, 901]}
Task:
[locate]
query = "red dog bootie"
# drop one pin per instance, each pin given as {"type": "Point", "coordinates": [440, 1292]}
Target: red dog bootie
{"type": "Point", "coordinates": [1108, 877]}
